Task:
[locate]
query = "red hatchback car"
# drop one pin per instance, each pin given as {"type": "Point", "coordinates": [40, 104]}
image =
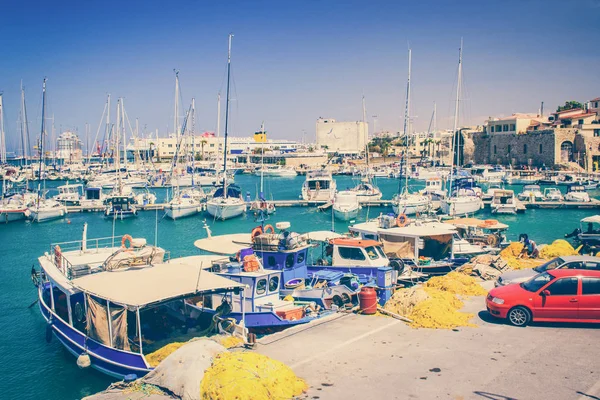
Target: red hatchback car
{"type": "Point", "coordinates": [560, 295]}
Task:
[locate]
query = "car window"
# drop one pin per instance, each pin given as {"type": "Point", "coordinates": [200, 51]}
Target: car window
{"type": "Point", "coordinates": [592, 265]}
{"type": "Point", "coordinates": [351, 253]}
{"type": "Point", "coordinates": [573, 265]}
{"type": "Point", "coordinates": [563, 287]}
{"type": "Point", "coordinates": [380, 251]}
{"type": "Point", "coordinates": [537, 282]}
{"type": "Point", "coordinates": [590, 286]}
{"type": "Point", "coordinates": [552, 264]}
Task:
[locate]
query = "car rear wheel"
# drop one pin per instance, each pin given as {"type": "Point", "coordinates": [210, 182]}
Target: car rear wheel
{"type": "Point", "coordinates": [519, 316]}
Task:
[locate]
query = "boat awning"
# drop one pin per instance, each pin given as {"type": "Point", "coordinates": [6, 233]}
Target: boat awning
{"type": "Point", "coordinates": [225, 244]}
{"type": "Point", "coordinates": [593, 219]}
{"type": "Point", "coordinates": [477, 223]}
{"type": "Point", "coordinates": [150, 285]}
{"type": "Point", "coordinates": [418, 231]}
{"type": "Point", "coordinates": [323, 236]}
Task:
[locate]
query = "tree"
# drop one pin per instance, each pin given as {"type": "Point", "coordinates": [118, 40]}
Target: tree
{"type": "Point", "coordinates": [569, 105]}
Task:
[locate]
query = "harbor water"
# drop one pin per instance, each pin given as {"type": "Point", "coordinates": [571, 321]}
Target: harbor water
{"type": "Point", "coordinates": [33, 369]}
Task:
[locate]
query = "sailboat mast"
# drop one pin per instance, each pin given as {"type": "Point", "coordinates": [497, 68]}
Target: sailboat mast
{"type": "Point", "coordinates": [176, 113]}
{"type": "Point", "coordinates": [227, 119]}
{"type": "Point", "coordinates": [124, 133]}
{"type": "Point", "coordinates": [456, 108]}
{"type": "Point", "coordinates": [24, 126]}
{"type": "Point", "coordinates": [262, 160]}
{"type": "Point", "coordinates": [2, 133]}
{"type": "Point", "coordinates": [407, 120]}
{"type": "Point", "coordinates": [107, 134]}
{"type": "Point", "coordinates": [193, 151]}
{"type": "Point", "coordinates": [42, 135]}
{"type": "Point", "coordinates": [219, 114]}
{"type": "Point", "coordinates": [365, 133]}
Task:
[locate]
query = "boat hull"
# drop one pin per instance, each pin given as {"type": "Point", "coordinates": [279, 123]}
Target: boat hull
{"type": "Point", "coordinates": [225, 211]}
{"type": "Point", "coordinates": [47, 215]}
{"type": "Point", "coordinates": [7, 216]}
{"type": "Point", "coordinates": [176, 212]}
{"type": "Point", "coordinates": [345, 215]}
{"type": "Point", "coordinates": [461, 206]}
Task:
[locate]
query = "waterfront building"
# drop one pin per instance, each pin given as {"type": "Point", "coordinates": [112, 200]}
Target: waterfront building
{"type": "Point", "coordinates": [68, 147]}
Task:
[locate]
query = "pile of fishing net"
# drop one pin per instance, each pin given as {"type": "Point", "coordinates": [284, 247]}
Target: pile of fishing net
{"type": "Point", "coordinates": [457, 283]}
{"type": "Point", "coordinates": [512, 251]}
{"type": "Point", "coordinates": [436, 304]}
{"type": "Point", "coordinates": [558, 248]}
{"type": "Point", "coordinates": [249, 376]}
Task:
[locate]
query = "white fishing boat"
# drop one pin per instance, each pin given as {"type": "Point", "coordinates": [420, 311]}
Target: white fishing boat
{"type": "Point", "coordinates": [47, 210]}
{"type": "Point", "coordinates": [366, 191]}
{"type": "Point", "coordinates": [318, 186]}
{"type": "Point", "coordinates": [276, 171]}
{"type": "Point", "coordinates": [410, 203]}
{"type": "Point", "coordinates": [227, 201]}
{"type": "Point", "coordinates": [577, 193]}
{"type": "Point", "coordinates": [69, 194]}
{"type": "Point", "coordinates": [346, 205]}
{"type": "Point", "coordinates": [504, 202]}
{"type": "Point", "coordinates": [184, 204]}
{"type": "Point", "coordinates": [553, 194]}
{"type": "Point", "coordinates": [531, 193]}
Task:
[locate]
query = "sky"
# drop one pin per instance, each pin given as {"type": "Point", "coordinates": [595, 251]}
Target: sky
{"type": "Point", "coordinates": [294, 61]}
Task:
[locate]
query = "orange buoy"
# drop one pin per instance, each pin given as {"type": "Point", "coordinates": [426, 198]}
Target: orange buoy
{"type": "Point", "coordinates": [269, 228]}
{"type": "Point", "coordinates": [367, 299]}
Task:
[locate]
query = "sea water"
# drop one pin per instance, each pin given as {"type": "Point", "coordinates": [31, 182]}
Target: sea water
{"type": "Point", "coordinates": [30, 368]}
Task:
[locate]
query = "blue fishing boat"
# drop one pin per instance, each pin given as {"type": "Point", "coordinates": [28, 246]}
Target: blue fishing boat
{"type": "Point", "coordinates": [112, 305]}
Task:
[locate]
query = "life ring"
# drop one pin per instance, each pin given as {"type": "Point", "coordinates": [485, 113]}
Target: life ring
{"type": "Point", "coordinates": [402, 220]}
{"type": "Point", "coordinates": [269, 228]}
{"type": "Point", "coordinates": [127, 238]}
{"type": "Point", "coordinates": [58, 257]}
{"type": "Point", "coordinates": [256, 231]}
{"type": "Point", "coordinates": [492, 240]}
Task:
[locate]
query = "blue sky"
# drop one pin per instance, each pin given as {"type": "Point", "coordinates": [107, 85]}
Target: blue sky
{"type": "Point", "coordinates": [294, 61]}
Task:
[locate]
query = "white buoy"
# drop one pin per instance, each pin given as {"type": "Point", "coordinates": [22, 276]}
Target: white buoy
{"type": "Point", "coordinates": [84, 360]}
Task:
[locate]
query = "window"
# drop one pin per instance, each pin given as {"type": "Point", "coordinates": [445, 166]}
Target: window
{"type": "Point", "coordinates": [505, 128]}
{"type": "Point", "coordinates": [371, 252]}
{"type": "Point", "coordinates": [169, 145]}
{"type": "Point", "coordinates": [509, 149]}
{"type": "Point", "coordinates": [495, 152]}
{"type": "Point", "coordinates": [573, 265]}
{"type": "Point", "coordinates": [590, 286]}
{"type": "Point", "coordinates": [492, 127]}
{"type": "Point", "coordinates": [351, 253]}
{"type": "Point", "coordinates": [525, 149]}
{"type": "Point", "coordinates": [580, 122]}
{"type": "Point", "coordinates": [541, 148]}
{"type": "Point", "coordinates": [498, 128]}
{"type": "Point", "coordinates": [380, 251]}
{"type": "Point", "coordinates": [512, 127]}
{"type": "Point", "coordinates": [289, 261]}
{"type": "Point", "coordinates": [596, 104]}
{"type": "Point", "coordinates": [271, 261]}
{"type": "Point", "coordinates": [592, 265]}
{"type": "Point", "coordinates": [596, 132]}
{"type": "Point", "coordinates": [261, 286]}
{"type": "Point", "coordinates": [536, 283]}
{"type": "Point", "coordinates": [301, 257]}
{"type": "Point", "coordinates": [563, 287]}
{"type": "Point", "coordinates": [273, 283]}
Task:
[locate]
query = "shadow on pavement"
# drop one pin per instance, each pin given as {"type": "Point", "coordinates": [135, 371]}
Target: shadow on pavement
{"type": "Point", "coordinates": [485, 316]}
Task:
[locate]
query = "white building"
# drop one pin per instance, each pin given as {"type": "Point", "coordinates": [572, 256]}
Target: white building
{"type": "Point", "coordinates": [342, 137]}
{"type": "Point", "coordinates": [68, 147]}
{"type": "Point", "coordinates": [517, 123]}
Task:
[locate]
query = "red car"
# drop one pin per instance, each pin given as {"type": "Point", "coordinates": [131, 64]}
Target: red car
{"type": "Point", "coordinates": [560, 295]}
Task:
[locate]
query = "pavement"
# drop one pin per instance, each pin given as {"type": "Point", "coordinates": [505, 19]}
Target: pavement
{"type": "Point", "coordinates": [349, 356]}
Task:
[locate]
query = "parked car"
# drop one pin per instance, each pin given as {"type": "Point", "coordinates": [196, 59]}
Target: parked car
{"type": "Point", "coordinates": [570, 262]}
{"type": "Point", "coordinates": [558, 295]}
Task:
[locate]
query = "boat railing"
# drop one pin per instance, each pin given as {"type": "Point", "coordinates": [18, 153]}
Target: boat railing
{"type": "Point", "coordinates": [91, 244]}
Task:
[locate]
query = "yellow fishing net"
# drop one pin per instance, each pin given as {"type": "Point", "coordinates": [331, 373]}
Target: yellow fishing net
{"type": "Point", "coordinates": [249, 376]}
{"type": "Point", "coordinates": [512, 250]}
{"type": "Point", "coordinates": [440, 311]}
{"type": "Point", "coordinates": [156, 357]}
{"type": "Point", "coordinates": [558, 248]}
{"type": "Point", "coordinates": [229, 341]}
{"type": "Point", "coordinates": [457, 283]}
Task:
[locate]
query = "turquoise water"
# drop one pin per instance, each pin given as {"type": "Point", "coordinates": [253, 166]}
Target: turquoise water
{"type": "Point", "coordinates": [32, 369]}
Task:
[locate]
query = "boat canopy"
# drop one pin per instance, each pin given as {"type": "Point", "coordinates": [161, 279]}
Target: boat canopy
{"type": "Point", "coordinates": [354, 242]}
{"type": "Point", "coordinates": [232, 191]}
{"type": "Point", "coordinates": [225, 244]}
{"type": "Point", "coordinates": [151, 285]}
{"type": "Point", "coordinates": [477, 223]}
{"type": "Point", "coordinates": [322, 236]}
{"type": "Point", "coordinates": [593, 219]}
{"type": "Point", "coordinates": [431, 230]}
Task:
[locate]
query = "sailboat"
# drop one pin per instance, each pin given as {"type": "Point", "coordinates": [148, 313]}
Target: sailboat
{"type": "Point", "coordinates": [120, 204]}
{"type": "Point", "coordinates": [227, 201]}
{"type": "Point", "coordinates": [405, 202]}
{"type": "Point", "coordinates": [45, 209]}
{"type": "Point", "coordinates": [459, 202]}
{"type": "Point", "coordinates": [187, 202]}
{"type": "Point", "coordinates": [261, 204]}
{"type": "Point", "coordinates": [366, 190]}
